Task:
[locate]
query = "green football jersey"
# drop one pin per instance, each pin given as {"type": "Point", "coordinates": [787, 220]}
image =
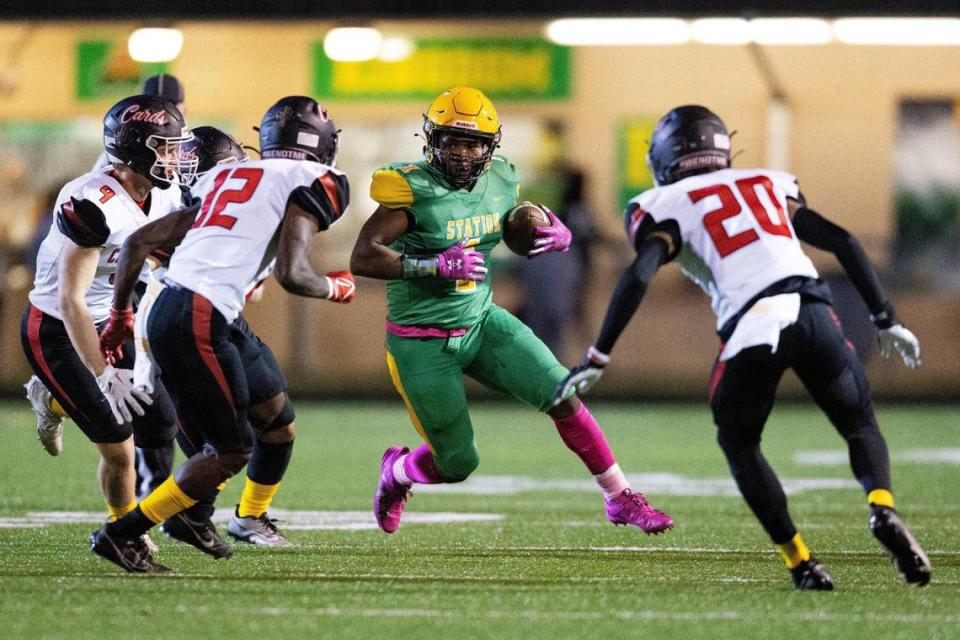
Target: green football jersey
{"type": "Point", "coordinates": [441, 217]}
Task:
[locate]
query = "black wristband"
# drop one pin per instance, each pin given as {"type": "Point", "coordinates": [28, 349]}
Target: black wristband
{"type": "Point", "coordinates": [885, 318]}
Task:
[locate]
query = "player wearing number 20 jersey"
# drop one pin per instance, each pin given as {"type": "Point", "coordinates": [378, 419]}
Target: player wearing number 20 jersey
{"type": "Point", "coordinates": [732, 231]}
{"type": "Point", "coordinates": [736, 232]}
{"type": "Point", "coordinates": [250, 215]}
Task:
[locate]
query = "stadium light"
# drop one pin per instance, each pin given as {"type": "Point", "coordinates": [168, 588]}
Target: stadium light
{"type": "Point", "coordinates": [155, 44]}
{"type": "Point", "coordinates": [898, 31]}
{"type": "Point", "coordinates": [618, 31]}
{"type": "Point", "coordinates": [720, 31]}
{"type": "Point", "coordinates": [790, 31]}
{"type": "Point", "coordinates": [352, 44]}
{"type": "Point", "coordinates": [396, 48]}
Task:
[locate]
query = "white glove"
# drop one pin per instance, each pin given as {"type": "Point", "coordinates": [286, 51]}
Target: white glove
{"type": "Point", "coordinates": [902, 339]}
{"type": "Point", "coordinates": [583, 376]}
{"type": "Point", "coordinates": [117, 386]}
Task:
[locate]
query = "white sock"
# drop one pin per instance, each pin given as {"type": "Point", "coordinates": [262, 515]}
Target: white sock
{"type": "Point", "coordinates": [399, 473]}
{"type": "Point", "coordinates": [612, 481]}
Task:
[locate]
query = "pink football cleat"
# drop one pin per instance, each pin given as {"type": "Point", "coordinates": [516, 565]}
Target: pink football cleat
{"type": "Point", "coordinates": [633, 508]}
{"type": "Point", "coordinates": [391, 496]}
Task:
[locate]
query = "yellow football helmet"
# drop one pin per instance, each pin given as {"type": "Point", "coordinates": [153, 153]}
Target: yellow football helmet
{"type": "Point", "coordinates": [458, 113]}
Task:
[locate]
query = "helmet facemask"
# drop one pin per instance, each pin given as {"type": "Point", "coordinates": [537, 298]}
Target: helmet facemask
{"type": "Point", "coordinates": [459, 155]}
{"type": "Point", "coordinates": [172, 163]}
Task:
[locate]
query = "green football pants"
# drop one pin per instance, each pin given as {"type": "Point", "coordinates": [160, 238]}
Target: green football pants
{"type": "Point", "coordinates": [499, 351]}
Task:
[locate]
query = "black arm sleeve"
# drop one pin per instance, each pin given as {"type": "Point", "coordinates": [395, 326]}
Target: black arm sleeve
{"type": "Point", "coordinates": [325, 199]}
{"type": "Point", "coordinates": [630, 290]}
{"type": "Point", "coordinates": [83, 222]}
{"type": "Point", "coordinates": [819, 232]}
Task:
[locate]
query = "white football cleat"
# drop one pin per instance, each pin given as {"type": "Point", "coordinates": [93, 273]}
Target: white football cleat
{"type": "Point", "coordinates": [259, 530]}
{"type": "Point", "coordinates": [49, 424]}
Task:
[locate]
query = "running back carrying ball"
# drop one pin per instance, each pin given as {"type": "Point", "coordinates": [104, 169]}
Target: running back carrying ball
{"type": "Point", "coordinates": [519, 229]}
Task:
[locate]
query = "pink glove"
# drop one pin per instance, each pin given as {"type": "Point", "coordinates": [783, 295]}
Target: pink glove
{"type": "Point", "coordinates": [553, 239]}
{"type": "Point", "coordinates": [460, 262]}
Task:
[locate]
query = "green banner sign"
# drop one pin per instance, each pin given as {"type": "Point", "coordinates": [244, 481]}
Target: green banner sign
{"type": "Point", "coordinates": [106, 71]}
{"type": "Point", "coordinates": [524, 69]}
{"type": "Point", "coordinates": [633, 174]}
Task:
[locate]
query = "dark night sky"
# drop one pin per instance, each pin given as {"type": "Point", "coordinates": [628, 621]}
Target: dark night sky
{"type": "Point", "coordinates": [385, 9]}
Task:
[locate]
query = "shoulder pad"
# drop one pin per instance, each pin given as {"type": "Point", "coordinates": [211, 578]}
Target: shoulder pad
{"type": "Point", "coordinates": [641, 226]}
{"type": "Point", "coordinates": [83, 222]}
{"type": "Point", "coordinates": [325, 199]}
{"type": "Point", "coordinates": [391, 189]}
{"type": "Point", "coordinates": [505, 169]}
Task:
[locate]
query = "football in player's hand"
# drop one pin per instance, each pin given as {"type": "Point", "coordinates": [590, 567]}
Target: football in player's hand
{"type": "Point", "coordinates": [520, 224]}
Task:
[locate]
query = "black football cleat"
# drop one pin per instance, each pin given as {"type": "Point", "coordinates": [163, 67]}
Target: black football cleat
{"type": "Point", "coordinates": [907, 555]}
{"type": "Point", "coordinates": [197, 533]}
{"type": "Point", "coordinates": [810, 575]}
{"type": "Point", "coordinates": [131, 554]}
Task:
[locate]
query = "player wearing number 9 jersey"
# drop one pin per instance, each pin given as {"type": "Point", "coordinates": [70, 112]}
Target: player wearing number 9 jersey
{"type": "Point", "coordinates": [437, 221]}
{"type": "Point", "coordinates": [251, 215]}
{"type": "Point", "coordinates": [736, 233]}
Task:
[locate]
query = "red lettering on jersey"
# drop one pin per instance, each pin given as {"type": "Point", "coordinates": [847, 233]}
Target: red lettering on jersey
{"type": "Point", "coordinates": [114, 257]}
{"type": "Point", "coordinates": [213, 216]}
{"type": "Point", "coordinates": [713, 221]}
{"type": "Point", "coordinates": [748, 189]}
{"type": "Point", "coordinates": [107, 193]}
{"type": "Point", "coordinates": [730, 207]}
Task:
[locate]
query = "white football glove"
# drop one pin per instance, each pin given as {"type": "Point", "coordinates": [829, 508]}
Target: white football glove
{"type": "Point", "coordinates": [583, 376]}
{"type": "Point", "coordinates": [117, 386]}
{"type": "Point", "coordinates": [902, 339]}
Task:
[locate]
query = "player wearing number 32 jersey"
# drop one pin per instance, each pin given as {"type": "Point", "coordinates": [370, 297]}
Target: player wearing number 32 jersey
{"type": "Point", "coordinates": [250, 216]}
{"type": "Point", "coordinates": [438, 220]}
{"type": "Point", "coordinates": [737, 233]}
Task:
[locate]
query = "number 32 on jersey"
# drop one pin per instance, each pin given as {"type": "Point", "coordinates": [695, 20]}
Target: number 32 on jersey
{"type": "Point", "coordinates": [769, 213]}
{"type": "Point", "coordinates": [219, 198]}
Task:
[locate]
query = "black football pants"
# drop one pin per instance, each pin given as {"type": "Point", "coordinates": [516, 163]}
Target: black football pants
{"type": "Point", "coordinates": [743, 390]}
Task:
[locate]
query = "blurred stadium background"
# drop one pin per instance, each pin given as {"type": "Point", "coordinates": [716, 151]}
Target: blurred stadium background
{"type": "Point", "coordinates": [863, 115]}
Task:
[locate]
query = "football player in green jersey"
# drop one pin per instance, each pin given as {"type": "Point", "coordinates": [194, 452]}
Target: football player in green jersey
{"type": "Point", "coordinates": [437, 221]}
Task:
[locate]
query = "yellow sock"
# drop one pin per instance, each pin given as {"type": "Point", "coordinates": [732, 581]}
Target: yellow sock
{"type": "Point", "coordinates": [56, 408]}
{"type": "Point", "coordinates": [118, 512]}
{"type": "Point", "coordinates": [256, 498]}
{"type": "Point", "coordinates": [165, 501]}
{"type": "Point", "coordinates": [880, 498]}
{"type": "Point", "coordinates": [794, 552]}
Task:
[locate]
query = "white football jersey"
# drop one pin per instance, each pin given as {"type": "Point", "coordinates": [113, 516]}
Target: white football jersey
{"type": "Point", "coordinates": [735, 230]}
{"type": "Point", "coordinates": [235, 235]}
{"type": "Point", "coordinates": [94, 210]}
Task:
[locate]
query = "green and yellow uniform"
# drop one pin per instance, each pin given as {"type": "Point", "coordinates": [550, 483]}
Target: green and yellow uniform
{"type": "Point", "coordinates": [472, 335]}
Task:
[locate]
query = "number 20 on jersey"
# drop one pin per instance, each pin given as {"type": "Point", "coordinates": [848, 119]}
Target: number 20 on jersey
{"type": "Point", "coordinates": [773, 222]}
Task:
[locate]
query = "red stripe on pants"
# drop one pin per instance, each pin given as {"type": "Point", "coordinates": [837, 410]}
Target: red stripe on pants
{"type": "Point", "coordinates": [33, 335]}
{"type": "Point", "coordinates": [202, 316]}
{"type": "Point", "coordinates": [718, 369]}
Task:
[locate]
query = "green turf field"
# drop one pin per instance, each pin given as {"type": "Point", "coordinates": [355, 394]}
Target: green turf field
{"type": "Point", "coordinates": [542, 562]}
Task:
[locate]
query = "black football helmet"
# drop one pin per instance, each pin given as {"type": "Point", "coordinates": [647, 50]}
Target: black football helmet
{"type": "Point", "coordinates": [688, 140]}
{"type": "Point", "coordinates": [298, 128]}
{"type": "Point", "coordinates": [211, 147]}
{"type": "Point", "coordinates": [147, 133]}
